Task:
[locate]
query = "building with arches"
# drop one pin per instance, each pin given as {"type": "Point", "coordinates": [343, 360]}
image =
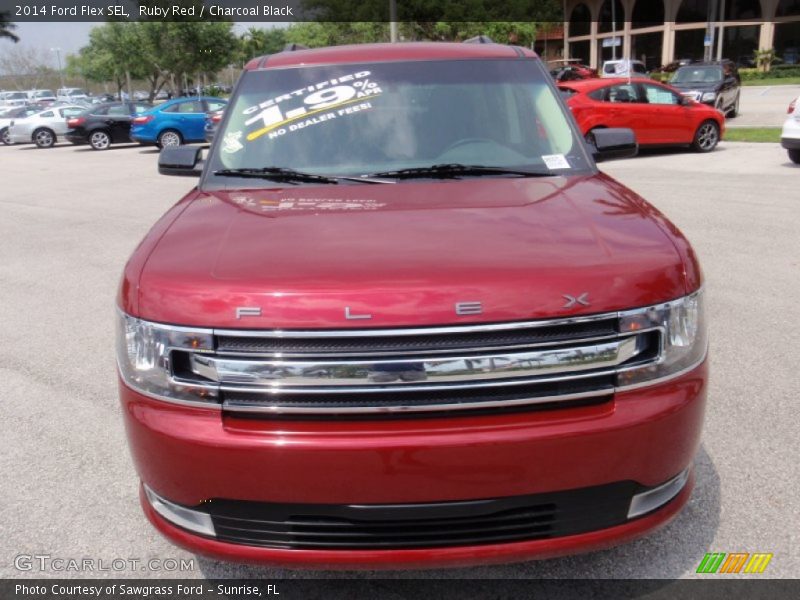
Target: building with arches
{"type": "Point", "coordinates": [661, 31]}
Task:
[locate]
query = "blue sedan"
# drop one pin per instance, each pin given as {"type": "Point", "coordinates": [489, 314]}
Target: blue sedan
{"type": "Point", "coordinates": [179, 121]}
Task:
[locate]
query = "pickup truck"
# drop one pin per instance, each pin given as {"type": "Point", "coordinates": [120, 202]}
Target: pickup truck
{"type": "Point", "coordinates": [403, 320]}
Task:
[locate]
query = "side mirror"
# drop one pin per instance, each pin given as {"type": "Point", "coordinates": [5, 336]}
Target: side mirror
{"type": "Point", "coordinates": [611, 143]}
{"type": "Point", "coordinates": [183, 160]}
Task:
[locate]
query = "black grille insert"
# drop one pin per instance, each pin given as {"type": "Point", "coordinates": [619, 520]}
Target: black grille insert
{"type": "Point", "coordinates": [440, 524]}
{"type": "Point", "coordinates": [374, 343]}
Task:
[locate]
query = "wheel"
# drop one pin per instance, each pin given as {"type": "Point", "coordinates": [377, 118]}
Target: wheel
{"type": "Point", "coordinates": [794, 156]}
{"type": "Point", "coordinates": [44, 138]}
{"type": "Point", "coordinates": [734, 112]}
{"type": "Point", "coordinates": [169, 139]}
{"type": "Point", "coordinates": [99, 140]}
{"type": "Point", "coordinates": [5, 137]}
{"type": "Point", "coordinates": [706, 137]}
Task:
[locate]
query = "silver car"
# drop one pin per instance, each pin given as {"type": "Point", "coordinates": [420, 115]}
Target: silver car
{"type": "Point", "coordinates": [43, 128]}
{"type": "Point", "coordinates": [14, 114]}
{"type": "Point", "coordinates": [11, 99]}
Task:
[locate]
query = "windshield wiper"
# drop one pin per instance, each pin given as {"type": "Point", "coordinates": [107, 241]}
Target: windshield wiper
{"type": "Point", "coordinates": [275, 173]}
{"type": "Point", "coordinates": [455, 170]}
{"type": "Point", "coordinates": [290, 175]}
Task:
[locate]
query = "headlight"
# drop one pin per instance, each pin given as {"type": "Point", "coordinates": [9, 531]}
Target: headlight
{"type": "Point", "coordinates": [684, 339]}
{"type": "Point", "coordinates": [144, 355]}
{"type": "Point", "coordinates": [709, 97]}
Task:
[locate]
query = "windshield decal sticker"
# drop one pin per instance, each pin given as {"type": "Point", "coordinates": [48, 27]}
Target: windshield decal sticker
{"type": "Point", "coordinates": [232, 142]}
{"type": "Point", "coordinates": [555, 161]}
{"type": "Point", "coordinates": [322, 97]}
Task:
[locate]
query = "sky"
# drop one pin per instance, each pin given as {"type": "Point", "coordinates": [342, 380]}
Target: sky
{"type": "Point", "coordinates": [70, 37]}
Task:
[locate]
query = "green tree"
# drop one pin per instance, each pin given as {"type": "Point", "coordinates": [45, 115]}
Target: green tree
{"type": "Point", "coordinates": [6, 28]}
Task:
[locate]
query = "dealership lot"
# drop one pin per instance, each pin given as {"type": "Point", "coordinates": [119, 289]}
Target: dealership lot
{"type": "Point", "coordinates": [764, 106]}
{"type": "Point", "coordinates": [71, 216]}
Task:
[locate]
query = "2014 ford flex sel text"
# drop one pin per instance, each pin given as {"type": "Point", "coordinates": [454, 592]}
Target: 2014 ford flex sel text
{"type": "Point", "coordinates": [404, 321]}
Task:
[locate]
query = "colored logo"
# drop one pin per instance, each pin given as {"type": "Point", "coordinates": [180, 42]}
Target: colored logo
{"type": "Point", "coordinates": [735, 562]}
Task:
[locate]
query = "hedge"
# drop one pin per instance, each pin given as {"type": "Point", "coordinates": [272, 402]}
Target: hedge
{"type": "Point", "coordinates": [776, 72]}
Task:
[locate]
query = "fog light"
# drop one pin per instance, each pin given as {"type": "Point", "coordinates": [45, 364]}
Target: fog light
{"type": "Point", "coordinates": [193, 520]}
{"type": "Point", "coordinates": [652, 499]}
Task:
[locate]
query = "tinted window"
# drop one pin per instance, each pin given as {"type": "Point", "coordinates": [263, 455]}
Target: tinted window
{"type": "Point", "coordinates": [625, 92]}
{"type": "Point", "coordinates": [706, 74]}
{"type": "Point", "coordinates": [214, 105]}
{"type": "Point", "coordinates": [637, 68]}
{"type": "Point", "coordinates": [103, 110]}
{"type": "Point", "coordinates": [71, 112]}
{"type": "Point", "coordinates": [599, 95]}
{"type": "Point", "coordinates": [118, 110]}
{"type": "Point", "coordinates": [48, 114]}
{"type": "Point", "coordinates": [140, 108]}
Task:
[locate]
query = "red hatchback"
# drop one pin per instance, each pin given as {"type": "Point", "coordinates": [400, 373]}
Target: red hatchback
{"type": "Point", "coordinates": [658, 114]}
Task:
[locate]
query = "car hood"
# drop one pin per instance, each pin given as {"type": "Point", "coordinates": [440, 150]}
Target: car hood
{"type": "Point", "coordinates": [700, 87]}
{"type": "Point", "coordinates": [405, 254]}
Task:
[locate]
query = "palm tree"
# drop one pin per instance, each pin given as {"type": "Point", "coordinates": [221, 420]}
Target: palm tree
{"type": "Point", "coordinates": [5, 28]}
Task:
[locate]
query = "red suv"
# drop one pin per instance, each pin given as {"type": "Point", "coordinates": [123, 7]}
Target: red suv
{"type": "Point", "coordinates": [404, 321]}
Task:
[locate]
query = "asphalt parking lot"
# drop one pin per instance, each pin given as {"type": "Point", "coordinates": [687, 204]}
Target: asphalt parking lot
{"type": "Point", "coordinates": [71, 217]}
{"type": "Point", "coordinates": [764, 106]}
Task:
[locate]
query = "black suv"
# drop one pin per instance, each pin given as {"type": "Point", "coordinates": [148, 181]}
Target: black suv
{"type": "Point", "coordinates": [714, 83]}
{"type": "Point", "coordinates": [104, 124]}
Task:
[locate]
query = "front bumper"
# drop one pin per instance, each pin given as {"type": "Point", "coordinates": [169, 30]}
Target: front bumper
{"type": "Point", "coordinates": [191, 455]}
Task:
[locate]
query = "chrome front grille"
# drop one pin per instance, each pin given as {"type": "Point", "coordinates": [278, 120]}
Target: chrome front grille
{"type": "Point", "coordinates": [425, 370]}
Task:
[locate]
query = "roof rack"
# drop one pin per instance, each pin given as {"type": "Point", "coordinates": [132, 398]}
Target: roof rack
{"type": "Point", "coordinates": [479, 39]}
{"type": "Point", "coordinates": [292, 47]}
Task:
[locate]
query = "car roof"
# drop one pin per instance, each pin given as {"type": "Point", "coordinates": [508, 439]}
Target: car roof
{"type": "Point", "coordinates": [589, 85]}
{"type": "Point", "coordinates": [406, 51]}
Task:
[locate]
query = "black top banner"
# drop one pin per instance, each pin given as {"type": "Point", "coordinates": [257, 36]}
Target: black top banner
{"type": "Point", "coordinates": [282, 10]}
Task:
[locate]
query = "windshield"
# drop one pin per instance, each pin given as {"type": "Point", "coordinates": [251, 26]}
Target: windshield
{"type": "Point", "coordinates": [697, 75]}
{"type": "Point", "coordinates": [360, 119]}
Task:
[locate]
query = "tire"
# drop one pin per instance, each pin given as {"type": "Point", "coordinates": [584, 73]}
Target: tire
{"type": "Point", "coordinates": [44, 138]}
{"type": "Point", "coordinates": [169, 138]}
{"type": "Point", "coordinates": [794, 156]}
{"type": "Point", "coordinates": [734, 111]}
{"type": "Point", "coordinates": [4, 136]}
{"type": "Point", "coordinates": [99, 140]}
{"type": "Point", "coordinates": [706, 137]}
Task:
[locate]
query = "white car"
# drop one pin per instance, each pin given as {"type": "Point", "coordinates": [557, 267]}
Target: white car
{"type": "Point", "coordinates": [43, 128]}
{"type": "Point", "coordinates": [46, 96]}
{"type": "Point", "coordinates": [790, 136]}
{"type": "Point", "coordinates": [71, 95]}
{"type": "Point", "coordinates": [9, 99]}
{"type": "Point", "coordinates": [623, 68]}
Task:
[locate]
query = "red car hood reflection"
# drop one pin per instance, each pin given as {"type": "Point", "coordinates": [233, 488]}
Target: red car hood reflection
{"type": "Point", "coordinates": [406, 253]}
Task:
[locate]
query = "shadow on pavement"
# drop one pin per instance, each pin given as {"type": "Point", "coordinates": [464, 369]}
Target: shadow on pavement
{"type": "Point", "coordinates": [667, 554]}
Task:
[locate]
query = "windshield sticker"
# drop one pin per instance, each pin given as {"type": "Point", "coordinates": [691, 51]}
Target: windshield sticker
{"type": "Point", "coordinates": [274, 114]}
{"type": "Point", "coordinates": [232, 142]}
{"type": "Point", "coordinates": [555, 161]}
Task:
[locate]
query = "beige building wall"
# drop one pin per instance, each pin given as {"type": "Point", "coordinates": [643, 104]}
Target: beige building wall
{"type": "Point", "coordinates": [670, 49]}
